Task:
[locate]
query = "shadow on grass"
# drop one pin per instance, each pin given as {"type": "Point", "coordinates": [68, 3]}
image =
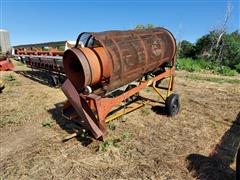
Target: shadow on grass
{"type": "Point", "coordinates": [159, 110]}
{"type": "Point", "coordinates": [217, 165]}
{"type": "Point", "coordinates": [43, 77]}
{"type": "Point", "coordinates": [70, 126]}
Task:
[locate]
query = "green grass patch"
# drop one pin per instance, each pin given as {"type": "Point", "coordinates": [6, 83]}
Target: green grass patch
{"type": "Point", "coordinates": [47, 123]}
{"type": "Point", "coordinates": [105, 146]}
{"type": "Point", "coordinates": [213, 79]}
{"type": "Point", "coordinates": [226, 71]}
{"type": "Point", "coordinates": [111, 126]}
{"type": "Point", "coordinates": [198, 65]}
{"type": "Point", "coordinates": [237, 67]}
{"type": "Point", "coordinates": [9, 78]}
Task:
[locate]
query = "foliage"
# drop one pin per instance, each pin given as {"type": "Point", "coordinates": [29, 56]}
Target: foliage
{"type": "Point", "coordinates": [226, 71]}
{"type": "Point", "coordinates": [61, 48]}
{"type": "Point", "coordinates": [191, 65]}
{"type": "Point", "coordinates": [231, 49]}
{"type": "Point", "coordinates": [111, 126]}
{"type": "Point", "coordinates": [47, 123]}
{"type": "Point", "coordinates": [215, 47]}
{"type": "Point", "coordinates": [197, 65]}
{"type": "Point", "coordinates": [107, 144]}
{"type": "Point", "coordinates": [186, 49]}
{"type": "Point", "coordinates": [237, 67]}
{"type": "Point", "coordinates": [103, 147]}
{"type": "Point", "coordinates": [142, 26]}
{"type": "Point", "coordinates": [204, 45]}
{"type": "Point", "coordinates": [9, 78]}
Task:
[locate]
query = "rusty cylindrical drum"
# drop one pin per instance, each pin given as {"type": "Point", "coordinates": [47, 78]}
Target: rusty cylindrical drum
{"type": "Point", "coordinates": [115, 58]}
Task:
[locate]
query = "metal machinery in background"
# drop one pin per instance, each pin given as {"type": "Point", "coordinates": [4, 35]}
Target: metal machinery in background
{"type": "Point", "coordinates": [5, 45]}
{"type": "Point", "coordinates": [5, 51]}
{"type": "Point", "coordinates": [44, 56]}
{"type": "Point", "coordinates": [5, 63]}
{"type": "Point", "coordinates": [107, 61]}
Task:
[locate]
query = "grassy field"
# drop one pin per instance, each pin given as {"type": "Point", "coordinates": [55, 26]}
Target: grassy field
{"type": "Point", "coordinates": [200, 142]}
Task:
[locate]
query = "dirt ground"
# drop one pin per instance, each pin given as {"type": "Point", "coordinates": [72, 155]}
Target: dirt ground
{"type": "Point", "coordinates": [199, 143]}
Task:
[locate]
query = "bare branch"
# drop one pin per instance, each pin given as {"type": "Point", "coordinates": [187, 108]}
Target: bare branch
{"type": "Point", "coordinates": [223, 29]}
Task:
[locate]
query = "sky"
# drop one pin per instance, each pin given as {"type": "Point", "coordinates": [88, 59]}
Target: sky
{"type": "Point", "coordinates": [35, 21]}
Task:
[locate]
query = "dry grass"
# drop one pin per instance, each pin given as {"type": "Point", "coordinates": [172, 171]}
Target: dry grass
{"type": "Point", "coordinates": [157, 147]}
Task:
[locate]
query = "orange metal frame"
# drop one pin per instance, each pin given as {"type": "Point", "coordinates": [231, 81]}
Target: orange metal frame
{"type": "Point", "coordinates": [102, 106]}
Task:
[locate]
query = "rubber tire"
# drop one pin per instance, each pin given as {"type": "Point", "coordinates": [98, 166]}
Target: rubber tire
{"type": "Point", "coordinates": [238, 165]}
{"type": "Point", "coordinates": [172, 105]}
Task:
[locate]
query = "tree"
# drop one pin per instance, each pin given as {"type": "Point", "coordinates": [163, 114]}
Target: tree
{"type": "Point", "coordinates": [228, 51]}
{"type": "Point", "coordinates": [187, 49]}
{"type": "Point", "coordinates": [204, 45]}
{"type": "Point", "coordinates": [211, 46]}
{"type": "Point", "coordinates": [231, 49]}
{"type": "Point", "coordinates": [142, 26]}
{"type": "Point", "coordinates": [223, 28]}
